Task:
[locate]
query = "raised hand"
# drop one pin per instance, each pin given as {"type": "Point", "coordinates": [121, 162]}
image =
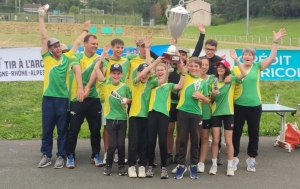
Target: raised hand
{"type": "Point", "coordinates": [201, 28]}
{"type": "Point", "coordinates": [159, 60]}
{"type": "Point", "coordinates": [106, 49]}
{"type": "Point", "coordinates": [147, 42]}
{"type": "Point", "coordinates": [136, 39]}
{"type": "Point", "coordinates": [173, 41]}
{"type": "Point", "coordinates": [279, 34]}
{"type": "Point", "coordinates": [87, 25]}
{"type": "Point", "coordinates": [233, 54]}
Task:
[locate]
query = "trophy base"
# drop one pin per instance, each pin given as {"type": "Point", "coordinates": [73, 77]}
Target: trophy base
{"type": "Point", "coordinates": [171, 58]}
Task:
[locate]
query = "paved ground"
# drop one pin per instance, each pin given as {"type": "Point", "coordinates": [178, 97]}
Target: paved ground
{"type": "Point", "coordinates": [18, 160]}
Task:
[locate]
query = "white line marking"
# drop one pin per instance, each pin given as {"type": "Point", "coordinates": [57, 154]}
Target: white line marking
{"type": "Point", "coordinates": [7, 40]}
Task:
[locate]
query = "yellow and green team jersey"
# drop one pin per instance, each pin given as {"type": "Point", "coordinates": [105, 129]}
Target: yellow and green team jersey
{"type": "Point", "coordinates": [113, 108]}
{"type": "Point", "coordinates": [86, 64]}
{"type": "Point", "coordinates": [124, 62]}
{"type": "Point", "coordinates": [223, 104]}
{"type": "Point", "coordinates": [141, 92]}
{"type": "Point", "coordinates": [134, 60]}
{"type": "Point", "coordinates": [206, 108]}
{"type": "Point", "coordinates": [187, 102]}
{"type": "Point", "coordinates": [160, 99]}
{"type": "Point", "coordinates": [248, 92]}
{"type": "Point", "coordinates": [56, 75]}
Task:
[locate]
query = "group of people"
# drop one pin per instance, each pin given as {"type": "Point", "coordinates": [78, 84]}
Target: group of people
{"type": "Point", "coordinates": [199, 95]}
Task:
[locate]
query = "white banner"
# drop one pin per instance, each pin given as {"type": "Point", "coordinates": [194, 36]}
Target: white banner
{"type": "Point", "coordinates": [21, 64]}
{"type": "Point", "coordinates": [224, 53]}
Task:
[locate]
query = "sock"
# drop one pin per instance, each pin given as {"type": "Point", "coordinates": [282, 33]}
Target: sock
{"type": "Point", "coordinates": [214, 162]}
{"type": "Point", "coordinates": [229, 164]}
{"type": "Point", "coordinates": [200, 163]}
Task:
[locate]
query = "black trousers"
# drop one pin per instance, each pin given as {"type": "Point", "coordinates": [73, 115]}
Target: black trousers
{"type": "Point", "coordinates": [137, 139]}
{"type": "Point", "coordinates": [157, 125]}
{"type": "Point", "coordinates": [90, 109]}
{"type": "Point", "coordinates": [189, 126]}
{"type": "Point", "coordinates": [116, 140]}
{"type": "Point", "coordinates": [252, 115]}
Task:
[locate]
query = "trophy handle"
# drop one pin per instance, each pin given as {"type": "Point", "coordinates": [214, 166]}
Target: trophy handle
{"type": "Point", "coordinates": [167, 11]}
{"type": "Point", "coordinates": [190, 16]}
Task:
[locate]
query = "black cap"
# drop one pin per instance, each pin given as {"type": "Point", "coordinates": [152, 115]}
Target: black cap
{"type": "Point", "coordinates": [117, 67]}
{"type": "Point", "coordinates": [141, 67]}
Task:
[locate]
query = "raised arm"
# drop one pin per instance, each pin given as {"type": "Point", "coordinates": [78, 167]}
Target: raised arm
{"type": "Point", "coordinates": [136, 40]}
{"type": "Point", "coordinates": [148, 44]}
{"type": "Point", "coordinates": [80, 38]}
{"type": "Point", "coordinates": [268, 61]}
{"type": "Point", "coordinates": [199, 44]}
{"type": "Point", "coordinates": [98, 69]}
{"type": "Point", "coordinates": [43, 32]}
{"type": "Point", "coordinates": [183, 70]}
{"type": "Point", "coordinates": [233, 55]}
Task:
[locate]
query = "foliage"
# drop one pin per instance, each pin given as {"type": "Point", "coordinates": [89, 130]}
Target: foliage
{"type": "Point", "coordinates": [74, 10]}
{"type": "Point", "coordinates": [217, 20]}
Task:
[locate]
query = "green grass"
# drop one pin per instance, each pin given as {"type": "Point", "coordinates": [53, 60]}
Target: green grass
{"type": "Point", "coordinates": [20, 109]}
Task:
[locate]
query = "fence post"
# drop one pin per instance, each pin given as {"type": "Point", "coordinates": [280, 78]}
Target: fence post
{"type": "Point", "coordinates": [258, 39]}
{"type": "Point", "coordinates": [299, 41]}
{"type": "Point", "coordinates": [291, 41]}
{"type": "Point", "coordinates": [235, 38]}
{"type": "Point", "coordinates": [224, 38]}
{"type": "Point", "coordinates": [281, 40]}
{"type": "Point", "coordinates": [266, 39]}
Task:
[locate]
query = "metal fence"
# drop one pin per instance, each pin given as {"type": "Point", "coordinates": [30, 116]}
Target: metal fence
{"type": "Point", "coordinates": [118, 19]}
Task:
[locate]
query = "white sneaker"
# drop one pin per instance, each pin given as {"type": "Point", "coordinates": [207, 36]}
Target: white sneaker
{"type": "Point", "coordinates": [116, 158]}
{"type": "Point", "coordinates": [132, 172]}
{"type": "Point", "coordinates": [230, 171]}
{"type": "Point", "coordinates": [142, 172]}
{"type": "Point", "coordinates": [251, 164]}
{"type": "Point", "coordinates": [104, 158]}
{"type": "Point", "coordinates": [174, 170]}
{"type": "Point", "coordinates": [213, 170]}
{"type": "Point", "coordinates": [200, 167]}
{"type": "Point", "coordinates": [235, 163]}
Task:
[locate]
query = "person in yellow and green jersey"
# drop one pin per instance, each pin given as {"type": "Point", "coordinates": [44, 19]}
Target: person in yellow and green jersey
{"type": "Point", "coordinates": [138, 129]}
{"type": "Point", "coordinates": [206, 116]}
{"type": "Point", "coordinates": [117, 47]}
{"type": "Point", "coordinates": [189, 116]}
{"type": "Point", "coordinates": [222, 112]}
{"type": "Point", "coordinates": [247, 101]}
{"type": "Point", "coordinates": [90, 107]}
{"type": "Point", "coordinates": [158, 117]}
{"type": "Point", "coordinates": [117, 95]}
{"type": "Point", "coordinates": [56, 94]}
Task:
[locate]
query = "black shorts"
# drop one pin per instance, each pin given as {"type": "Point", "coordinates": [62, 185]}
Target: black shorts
{"type": "Point", "coordinates": [228, 121]}
{"type": "Point", "coordinates": [173, 113]}
{"type": "Point", "coordinates": [206, 124]}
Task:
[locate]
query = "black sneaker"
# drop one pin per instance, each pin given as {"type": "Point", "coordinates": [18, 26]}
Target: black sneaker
{"type": "Point", "coordinates": [122, 170]}
{"type": "Point", "coordinates": [219, 160]}
{"type": "Point", "coordinates": [107, 170]}
{"type": "Point", "coordinates": [169, 159]}
{"type": "Point", "coordinates": [176, 158]}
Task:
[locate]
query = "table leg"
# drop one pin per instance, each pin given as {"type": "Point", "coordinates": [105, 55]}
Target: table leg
{"type": "Point", "coordinates": [282, 134]}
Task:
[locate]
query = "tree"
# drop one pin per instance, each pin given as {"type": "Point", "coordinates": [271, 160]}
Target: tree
{"type": "Point", "coordinates": [73, 9]}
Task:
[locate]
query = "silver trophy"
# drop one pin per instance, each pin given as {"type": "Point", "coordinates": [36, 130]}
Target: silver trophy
{"type": "Point", "coordinates": [117, 96]}
{"type": "Point", "coordinates": [277, 99]}
{"type": "Point", "coordinates": [178, 19]}
{"type": "Point", "coordinates": [216, 84]}
{"type": "Point", "coordinates": [197, 84]}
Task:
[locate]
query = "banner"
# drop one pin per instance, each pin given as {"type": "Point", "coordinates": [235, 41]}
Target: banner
{"type": "Point", "coordinates": [285, 67]}
{"type": "Point", "coordinates": [21, 64]}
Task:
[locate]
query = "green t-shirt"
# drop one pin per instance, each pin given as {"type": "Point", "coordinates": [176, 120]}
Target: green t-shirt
{"type": "Point", "coordinates": [124, 62]}
{"type": "Point", "coordinates": [87, 65]}
{"type": "Point", "coordinates": [206, 108]}
{"type": "Point", "coordinates": [248, 92]}
{"type": "Point", "coordinates": [113, 107]}
{"type": "Point", "coordinates": [187, 102]}
{"type": "Point", "coordinates": [56, 75]}
{"type": "Point", "coordinates": [160, 99]}
{"type": "Point", "coordinates": [223, 104]}
{"type": "Point", "coordinates": [141, 92]}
